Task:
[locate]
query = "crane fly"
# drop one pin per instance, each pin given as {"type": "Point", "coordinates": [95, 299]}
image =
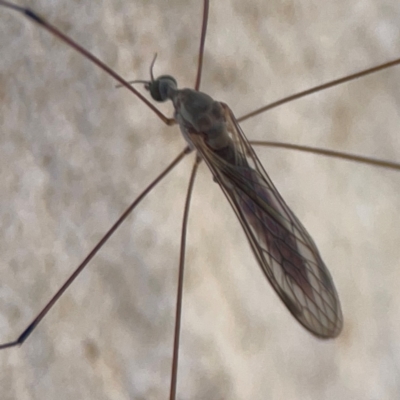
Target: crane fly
{"type": "Point", "coordinates": [283, 248]}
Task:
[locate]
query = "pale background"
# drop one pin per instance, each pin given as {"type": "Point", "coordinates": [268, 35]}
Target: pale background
{"type": "Point", "coordinates": [75, 151]}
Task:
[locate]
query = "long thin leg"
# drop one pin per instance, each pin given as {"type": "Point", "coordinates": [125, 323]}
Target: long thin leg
{"type": "Point", "coordinates": [318, 88]}
{"type": "Point", "coordinates": [70, 42]}
{"type": "Point", "coordinates": [28, 330]}
{"type": "Point", "coordinates": [174, 373]}
{"type": "Point", "coordinates": [202, 41]}
{"type": "Point", "coordinates": [329, 153]}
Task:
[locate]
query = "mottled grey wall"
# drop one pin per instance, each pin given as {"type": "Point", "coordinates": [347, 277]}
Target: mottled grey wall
{"type": "Point", "coordinates": [75, 151]}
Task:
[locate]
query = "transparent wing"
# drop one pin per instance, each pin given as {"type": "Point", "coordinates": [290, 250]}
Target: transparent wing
{"type": "Point", "coordinates": [285, 251]}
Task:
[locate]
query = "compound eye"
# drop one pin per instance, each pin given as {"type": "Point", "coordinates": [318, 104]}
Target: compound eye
{"type": "Point", "coordinates": [160, 89]}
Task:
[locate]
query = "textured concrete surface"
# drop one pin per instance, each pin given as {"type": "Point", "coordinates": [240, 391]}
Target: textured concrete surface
{"type": "Point", "coordinates": [75, 151]}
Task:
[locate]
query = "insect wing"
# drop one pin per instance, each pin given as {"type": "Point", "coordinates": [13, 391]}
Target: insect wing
{"type": "Point", "coordinates": [285, 251]}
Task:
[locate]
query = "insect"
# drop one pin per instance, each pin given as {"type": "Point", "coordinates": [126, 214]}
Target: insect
{"type": "Point", "coordinates": [108, 275]}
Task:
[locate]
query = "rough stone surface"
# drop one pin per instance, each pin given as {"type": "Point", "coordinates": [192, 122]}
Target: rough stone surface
{"type": "Point", "coordinates": [75, 151]}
